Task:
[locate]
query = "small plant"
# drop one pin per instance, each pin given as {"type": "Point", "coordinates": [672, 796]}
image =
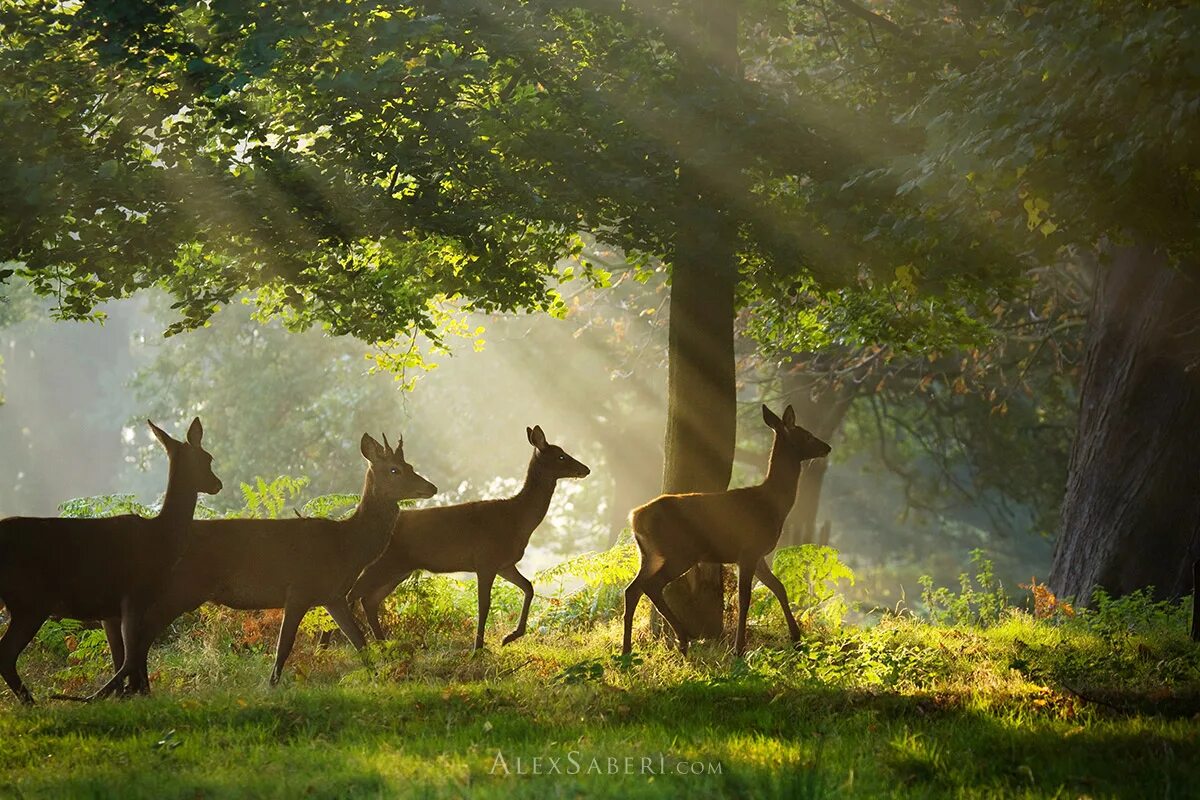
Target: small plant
{"type": "Point", "coordinates": [599, 581]}
{"type": "Point", "coordinates": [591, 670]}
{"type": "Point", "coordinates": [1046, 604]}
{"type": "Point", "coordinates": [813, 576]}
{"type": "Point", "coordinates": [980, 600]}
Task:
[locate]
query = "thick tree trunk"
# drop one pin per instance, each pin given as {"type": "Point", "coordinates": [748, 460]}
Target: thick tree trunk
{"type": "Point", "coordinates": [1196, 602]}
{"type": "Point", "coordinates": [1131, 514]}
{"type": "Point", "coordinates": [801, 525]}
{"type": "Point", "coordinates": [820, 408]}
{"type": "Point", "coordinates": [702, 393]}
{"type": "Point", "coordinates": [637, 476]}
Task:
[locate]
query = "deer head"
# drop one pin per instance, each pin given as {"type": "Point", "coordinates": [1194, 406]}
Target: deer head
{"type": "Point", "coordinates": [552, 461]}
{"type": "Point", "coordinates": [796, 441]}
{"type": "Point", "coordinates": [389, 474]}
{"type": "Point", "coordinates": [193, 462]}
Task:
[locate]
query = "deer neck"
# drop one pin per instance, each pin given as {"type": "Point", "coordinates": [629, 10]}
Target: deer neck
{"type": "Point", "coordinates": [375, 513]}
{"type": "Point", "coordinates": [534, 497]}
{"type": "Point", "coordinates": [783, 477]}
{"type": "Point", "coordinates": [179, 505]}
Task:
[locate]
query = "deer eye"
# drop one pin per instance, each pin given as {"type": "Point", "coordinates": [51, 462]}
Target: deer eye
{"type": "Point", "coordinates": [395, 471]}
{"type": "Point", "coordinates": [562, 458]}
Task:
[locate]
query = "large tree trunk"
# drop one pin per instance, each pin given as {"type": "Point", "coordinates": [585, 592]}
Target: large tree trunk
{"type": "Point", "coordinates": [637, 475]}
{"type": "Point", "coordinates": [820, 408]}
{"type": "Point", "coordinates": [1131, 514]}
{"type": "Point", "coordinates": [701, 388]}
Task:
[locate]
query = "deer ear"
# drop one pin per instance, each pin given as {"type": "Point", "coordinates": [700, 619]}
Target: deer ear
{"type": "Point", "coordinates": [163, 437]}
{"type": "Point", "coordinates": [789, 416]}
{"type": "Point", "coordinates": [770, 418]}
{"type": "Point", "coordinates": [371, 450]}
{"type": "Point", "coordinates": [195, 432]}
{"type": "Point", "coordinates": [536, 437]}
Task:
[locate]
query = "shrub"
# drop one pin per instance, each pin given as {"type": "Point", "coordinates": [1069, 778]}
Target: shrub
{"type": "Point", "coordinates": [980, 600]}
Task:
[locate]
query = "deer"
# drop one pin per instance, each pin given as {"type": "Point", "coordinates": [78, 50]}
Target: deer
{"type": "Point", "coordinates": [674, 532]}
{"type": "Point", "coordinates": [295, 563]}
{"type": "Point", "coordinates": [487, 537]}
{"type": "Point", "coordinates": [108, 568]}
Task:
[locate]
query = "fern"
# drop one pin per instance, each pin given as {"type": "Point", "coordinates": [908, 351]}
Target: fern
{"type": "Point", "coordinates": [330, 506]}
{"type": "Point", "coordinates": [267, 500]}
{"type": "Point", "coordinates": [105, 505]}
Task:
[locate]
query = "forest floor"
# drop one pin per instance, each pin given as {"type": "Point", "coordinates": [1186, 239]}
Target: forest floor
{"type": "Point", "coordinates": [900, 708]}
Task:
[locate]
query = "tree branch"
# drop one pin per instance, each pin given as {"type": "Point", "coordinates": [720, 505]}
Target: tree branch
{"type": "Point", "coordinates": [855, 9]}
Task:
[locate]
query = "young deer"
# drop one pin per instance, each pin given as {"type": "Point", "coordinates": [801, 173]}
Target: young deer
{"type": "Point", "coordinates": [487, 537]}
{"type": "Point", "coordinates": [293, 564]}
{"type": "Point", "coordinates": [110, 568]}
{"type": "Point", "coordinates": [677, 531]}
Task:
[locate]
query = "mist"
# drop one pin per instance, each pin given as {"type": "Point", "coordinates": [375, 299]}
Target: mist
{"type": "Point", "coordinates": [278, 403]}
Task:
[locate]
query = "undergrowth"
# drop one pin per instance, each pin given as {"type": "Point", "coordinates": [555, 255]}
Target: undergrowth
{"type": "Point", "coordinates": [978, 692]}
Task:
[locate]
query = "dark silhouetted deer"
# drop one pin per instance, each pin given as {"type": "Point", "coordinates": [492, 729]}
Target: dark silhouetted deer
{"type": "Point", "coordinates": [293, 564]}
{"type": "Point", "coordinates": [487, 537]}
{"type": "Point", "coordinates": [110, 568]}
{"type": "Point", "coordinates": [677, 531]}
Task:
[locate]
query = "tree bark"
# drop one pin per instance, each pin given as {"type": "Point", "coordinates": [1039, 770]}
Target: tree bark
{"type": "Point", "coordinates": [820, 408]}
{"type": "Point", "coordinates": [1131, 513]}
{"type": "Point", "coordinates": [701, 387]}
{"type": "Point", "coordinates": [1196, 602]}
{"type": "Point", "coordinates": [636, 474]}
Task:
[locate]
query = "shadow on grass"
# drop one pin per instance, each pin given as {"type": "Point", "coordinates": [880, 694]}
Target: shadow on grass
{"type": "Point", "coordinates": [439, 740]}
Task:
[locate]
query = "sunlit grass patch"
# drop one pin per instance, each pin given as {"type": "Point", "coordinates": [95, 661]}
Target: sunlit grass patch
{"type": "Point", "coordinates": [1099, 703]}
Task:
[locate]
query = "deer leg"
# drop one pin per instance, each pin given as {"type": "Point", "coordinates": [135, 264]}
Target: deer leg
{"type": "Point", "coordinates": [764, 574]}
{"type": "Point", "coordinates": [122, 638]}
{"type": "Point", "coordinates": [371, 607]}
{"type": "Point", "coordinates": [653, 586]}
{"type": "Point", "coordinates": [133, 634]}
{"type": "Point", "coordinates": [633, 596]}
{"type": "Point", "coordinates": [486, 579]}
{"type": "Point", "coordinates": [116, 645]}
{"type": "Point", "coordinates": [137, 663]}
{"type": "Point", "coordinates": [513, 576]}
{"type": "Point", "coordinates": [293, 613]}
{"type": "Point", "coordinates": [344, 617]}
{"type": "Point", "coordinates": [372, 602]}
{"type": "Point", "coordinates": [139, 676]}
{"type": "Point", "coordinates": [137, 646]}
{"type": "Point", "coordinates": [745, 584]}
{"type": "Point", "coordinates": [21, 630]}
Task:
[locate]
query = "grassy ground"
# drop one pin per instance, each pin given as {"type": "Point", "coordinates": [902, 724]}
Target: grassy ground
{"type": "Point", "coordinates": [1102, 706]}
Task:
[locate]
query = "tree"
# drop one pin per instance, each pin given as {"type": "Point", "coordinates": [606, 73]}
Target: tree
{"type": "Point", "coordinates": [1123, 197]}
{"type": "Point", "coordinates": [701, 390]}
{"type": "Point", "coordinates": [1051, 132]}
{"type": "Point", "coordinates": [350, 164]}
{"type": "Point", "coordinates": [1131, 514]}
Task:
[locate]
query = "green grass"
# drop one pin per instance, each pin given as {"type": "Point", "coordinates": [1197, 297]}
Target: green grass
{"type": "Point", "coordinates": [1101, 705]}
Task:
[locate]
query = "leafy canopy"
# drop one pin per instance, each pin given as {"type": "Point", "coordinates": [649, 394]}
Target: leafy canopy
{"type": "Point", "coordinates": [351, 164]}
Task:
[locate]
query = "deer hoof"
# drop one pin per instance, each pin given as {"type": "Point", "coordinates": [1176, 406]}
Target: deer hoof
{"type": "Point", "coordinates": [512, 637]}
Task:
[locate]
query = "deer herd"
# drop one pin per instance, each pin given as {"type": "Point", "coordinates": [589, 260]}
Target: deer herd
{"type": "Point", "coordinates": [138, 574]}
